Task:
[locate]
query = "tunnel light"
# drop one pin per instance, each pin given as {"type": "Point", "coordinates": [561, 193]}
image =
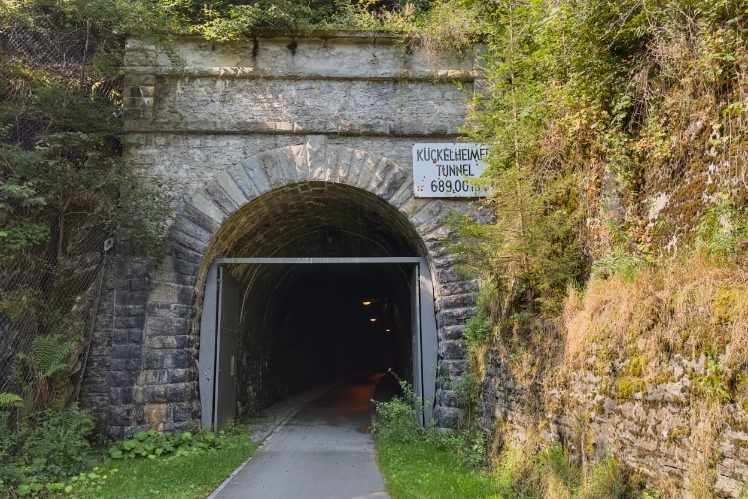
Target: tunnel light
{"type": "Point", "coordinates": [373, 320]}
{"type": "Point", "coordinates": [367, 303]}
{"type": "Point", "coordinates": [387, 330]}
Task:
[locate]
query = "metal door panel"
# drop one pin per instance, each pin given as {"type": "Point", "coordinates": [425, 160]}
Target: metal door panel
{"type": "Point", "coordinates": [229, 300]}
{"type": "Point", "coordinates": [415, 322]}
{"type": "Point", "coordinates": [207, 358]}
{"type": "Point", "coordinates": [429, 341]}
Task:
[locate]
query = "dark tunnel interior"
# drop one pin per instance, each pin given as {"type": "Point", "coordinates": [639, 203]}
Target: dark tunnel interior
{"type": "Point", "coordinates": [302, 325]}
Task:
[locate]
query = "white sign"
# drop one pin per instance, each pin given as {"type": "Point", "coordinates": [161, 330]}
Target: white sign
{"type": "Point", "coordinates": [443, 170]}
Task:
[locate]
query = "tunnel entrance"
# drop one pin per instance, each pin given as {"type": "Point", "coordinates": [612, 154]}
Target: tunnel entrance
{"type": "Point", "coordinates": [343, 316]}
{"type": "Point", "coordinates": [312, 283]}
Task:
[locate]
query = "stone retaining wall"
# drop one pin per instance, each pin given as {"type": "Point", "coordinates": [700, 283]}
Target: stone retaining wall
{"type": "Point", "coordinates": [664, 430]}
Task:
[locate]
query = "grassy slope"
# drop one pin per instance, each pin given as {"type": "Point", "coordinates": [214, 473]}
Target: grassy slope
{"type": "Point", "coordinates": [425, 472]}
{"type": "Point", "coordinates": [184, 477]}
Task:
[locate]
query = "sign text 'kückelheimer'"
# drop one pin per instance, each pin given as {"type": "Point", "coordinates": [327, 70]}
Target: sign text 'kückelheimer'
{"type": "Point", "coordinates": [443, 170]}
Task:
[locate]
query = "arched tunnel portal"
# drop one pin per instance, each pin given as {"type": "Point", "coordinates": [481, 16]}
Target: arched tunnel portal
{"type": "Point", "coordinates": [283, 326]}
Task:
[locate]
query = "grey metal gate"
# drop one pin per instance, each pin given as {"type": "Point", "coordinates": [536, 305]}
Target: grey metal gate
{"type": "Point", "coordinates": [229, 308]}
{"type": "Point", "coordinates": [220, 323]}
{"type": "Point", "coordinates": [415, 324]}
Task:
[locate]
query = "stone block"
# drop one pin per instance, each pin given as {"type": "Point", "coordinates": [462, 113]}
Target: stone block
{"type": "Point", "coordinates": [187, 242]}
{"type": "Point", "coordinates": [390, 186]}
{"type": "Point", "coordinates": [182, 359]}
{"type": "Point", "coordinates": [120, 396]}
{"type": "Point", "coordinates": [456, 316]}
{"type": "Point", "coordinates": [169, 312]}
{"type": "Point", "coordinates": [129, 322]}
{"type": "Point", "coordinates": [150, 394]}
{"type": "Point", "coordinates": [122, 378]}
{"type": "Point", "coordinates": [446, 417]}
{"type": "Point", "coordinates": [132, 311]}
{"type": "Point", "coordinates": [242, 181]}
{"type": "Point", "coordinates": [180, 392]}
{"type": "Point", "coordinates": [132, 298]}
{"type": "Point", "coordinates": [256, 173]}
{"type": "Point", "coordinates": [171, 293]}
{"type": "Point", "coordinates": [287, 163]}
{"type": "Point", "coordinates": [301, 162]}
{"type": "Point", "coordinates": [204, 204]}
{"type": "Point", "coordinates": [126, 351]}
{"type": "Point", "coordinates": [452, 349]}
{"type": "Point", "coordinates": [273, 167]}
{"type": "Point", "coordinates": [345, 158]}
{"type": "Point", "coordinates": [120, 337]}
{"type": "Point", "coordinates": [452, 332]}
{"type": "Point", "coordinates": [182, 375]}
{"type": "Point", "coordinates": [156, 359]}
{"type": "Point", "coordinates": [186, 255]}
{"type": "Point", "coordinates": [153, 377]}
{"type": "Point", "coordinates": [131, 91]}
{"type": "Point", "coordinates": [231, 189]}
{"type": "Point", "coordinates": [452, 367]}
{"type": "Point", "coordinates": [191, 213]}
{"type": "Point", "coordinates": [181, 412]}
{"type": "Point", "coordinates": [220, 198]}
{"type": "Point", "coordinates": [125, 415]}
{"type": "Point", "coordinates": [176, 427]}
{"type": "Point", "coordinates": [447, 398]}
{"type": "Point", "coordinates": [155, 414]}
{"type": "Point", "coordinates": [368, 169]}
{"type": "Point", "coordinates": [457, 301]}
{"type": "Point", "coordinates": [726, 486]}
{"type": "Point", "coordinates": [135, 336]}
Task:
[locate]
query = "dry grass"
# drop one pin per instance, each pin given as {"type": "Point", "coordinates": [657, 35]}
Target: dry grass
{"type": "Point", "coordinates": [689, 306]}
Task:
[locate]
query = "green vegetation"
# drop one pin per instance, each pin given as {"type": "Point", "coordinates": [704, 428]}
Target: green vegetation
{"type": "Point", "coordinates": [431, 463]}
{"type": "Point", "coordinates": [192, 474]}
{"type": "Point", "coordinates": [55, 458]}
{"type": "Point", "coordinates": [619, 215]}
{"type": "Point", "coordinates": [424, 470]}
{"type": "Point", "coordinates": [593, 110]}
{"type": "Point", "coordinates": [553, 472]}
{"type": "Point", "coordinates": [44, 449]}
{"type": "Point", "coordinates": [619, 228]}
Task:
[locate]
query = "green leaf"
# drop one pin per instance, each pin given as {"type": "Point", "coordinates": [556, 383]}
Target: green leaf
{"type": "Point", "coordinates": [10, 400]}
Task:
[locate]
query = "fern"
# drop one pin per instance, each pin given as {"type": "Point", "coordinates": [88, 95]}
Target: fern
{"type": "Point", "coordinates": [10, 400]}
{"type": "Point", "coordinates": [73, 419]}
{"type": "Point", "coordinates": [48, 355]}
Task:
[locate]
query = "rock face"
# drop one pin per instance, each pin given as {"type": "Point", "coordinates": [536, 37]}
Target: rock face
{"type": "Point", "coordinates": [654, 429]}
{"type": "Point", "coordinates": [234, 133]}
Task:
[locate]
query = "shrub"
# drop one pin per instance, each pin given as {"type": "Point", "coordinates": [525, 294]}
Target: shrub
{"type": "Point", "coordinates": [150, 444]}
{"type": "Point", "coordinates": [43, 449]}
{"type": "Point", "coordinates": [396, 419]}
{"type": "Point", "coordinates": [397, 423]}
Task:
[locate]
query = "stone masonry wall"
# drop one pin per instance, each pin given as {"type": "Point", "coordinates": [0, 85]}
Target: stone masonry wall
{"type": "Point", "coordinates": [235, 122]}
{"type": "Point", "coordinates": [655, 430]}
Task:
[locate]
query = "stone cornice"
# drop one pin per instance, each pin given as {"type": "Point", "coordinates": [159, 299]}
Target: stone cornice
{"type": "Point", "coordinates": [446, 75]}
{"type": "Point", "coordinates": [285, 127]}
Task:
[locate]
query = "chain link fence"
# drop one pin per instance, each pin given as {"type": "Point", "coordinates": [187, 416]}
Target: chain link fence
{"type": "Point", "coordinates": [49, 293]}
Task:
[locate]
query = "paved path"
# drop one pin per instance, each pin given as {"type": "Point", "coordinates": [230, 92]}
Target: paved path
{"type": "Point", "coordinates": [323, 452]}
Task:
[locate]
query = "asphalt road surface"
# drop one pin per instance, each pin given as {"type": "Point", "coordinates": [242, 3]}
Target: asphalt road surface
{"type": "Point", "coordinates": [325, 451]}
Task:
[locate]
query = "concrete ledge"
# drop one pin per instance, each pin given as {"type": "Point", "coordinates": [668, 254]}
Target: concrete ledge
{"type": "Point", "coordinates": [290, 128]}
{"type": "Point", "coordinates": [436, 76]}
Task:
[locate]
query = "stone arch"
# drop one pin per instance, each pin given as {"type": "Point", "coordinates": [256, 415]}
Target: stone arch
{"type": "Point", "coordinates": [205, 230]}
{"type": "Point", "coordinates": [315, 161]}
